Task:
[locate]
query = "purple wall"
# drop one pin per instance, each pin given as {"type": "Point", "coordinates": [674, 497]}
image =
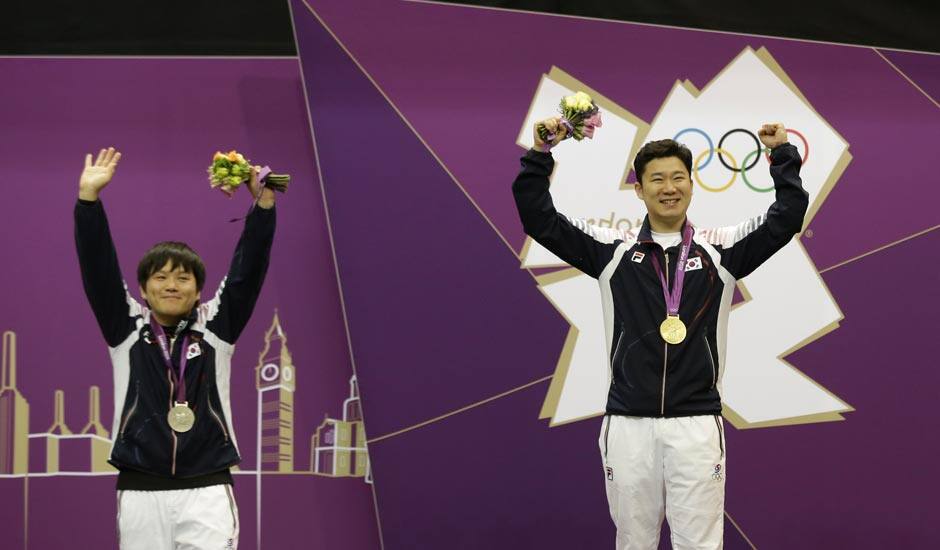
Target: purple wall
{"type": "Point", "coordinates": [439, 313]}
{"type": "Point", "coordinates": [167, 116]}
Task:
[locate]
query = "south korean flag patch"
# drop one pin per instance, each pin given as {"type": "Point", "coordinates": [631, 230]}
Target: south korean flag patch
{"type": "Point", "coordinates": [194, 350]}
{"type": "Point", "coordinates": [693, 263]}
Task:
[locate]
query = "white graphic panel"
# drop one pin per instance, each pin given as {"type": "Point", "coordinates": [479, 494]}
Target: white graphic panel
{"type": "Point", "coordinates": [585, 392]}
{"type": "Point", "coordinates": [789, 303]}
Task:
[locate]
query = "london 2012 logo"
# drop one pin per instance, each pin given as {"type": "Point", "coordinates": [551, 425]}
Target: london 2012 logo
{"type": "Point", "coordinates": [785, 304]}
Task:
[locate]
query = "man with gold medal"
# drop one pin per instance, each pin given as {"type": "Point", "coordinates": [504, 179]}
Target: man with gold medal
{"type": "Point", "coordinates": [173, 443]}
{"type": "Point", "coordinates": [666, 294]}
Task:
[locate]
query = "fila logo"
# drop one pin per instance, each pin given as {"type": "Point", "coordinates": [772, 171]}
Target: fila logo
{"type": "Point", "coordinates": [193, 350]}
{"type": "Point", "coordinates": [693, 263]}
{"type": "Point", "coordinates": [638, 257]}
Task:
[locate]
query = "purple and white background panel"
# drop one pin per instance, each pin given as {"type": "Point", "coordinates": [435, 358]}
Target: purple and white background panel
{"type": "Point", "coordinates": [478, 355]}
{"type": "Point", "coordinates": [476, 352]}
{"type": "Point", "coordinates": [292, 378]}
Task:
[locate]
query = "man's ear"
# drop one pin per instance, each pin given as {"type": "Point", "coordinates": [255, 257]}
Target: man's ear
{"type": "Point", "coordinates": [638, 187]}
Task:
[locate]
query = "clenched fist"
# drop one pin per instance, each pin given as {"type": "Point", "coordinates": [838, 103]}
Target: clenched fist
{"type": "Point", "coordinates": [772, 135]}
{"type": "Point", "coordinates": [554, 126]}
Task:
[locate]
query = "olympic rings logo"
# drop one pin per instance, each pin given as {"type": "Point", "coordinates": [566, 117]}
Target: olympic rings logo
{"type": "Point", "coordinates": [750, 160]}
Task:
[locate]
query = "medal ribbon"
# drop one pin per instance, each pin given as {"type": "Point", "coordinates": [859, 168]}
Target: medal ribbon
{"type": "Point", "coordinates": [166, 352]}
{"type": "Point", "coordinates": [672, 298]}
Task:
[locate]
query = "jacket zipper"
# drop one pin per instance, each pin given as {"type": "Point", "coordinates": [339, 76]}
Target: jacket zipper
{"type": "Point", "coordinates": [217, 419]}
{"type": "Point", "coordinates": [616, 348]}
{"type": "Point", "coordinates": [711, 359]}
{"type": "Point", "coordinates": [613, 367]}
{"type": "Point", "coordinates": [130, 412]}
{"type": "Point", "coordinates": [662, 402]}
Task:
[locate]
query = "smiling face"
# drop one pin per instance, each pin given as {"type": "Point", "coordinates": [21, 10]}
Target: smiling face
{"type": "Point", "coordinates": [171, 292]}
{"type": "Point", "coordinates": [666, 189]}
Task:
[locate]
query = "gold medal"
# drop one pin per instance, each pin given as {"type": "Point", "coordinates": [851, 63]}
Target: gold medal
{"type": "Point", "coordinates": [672, 329]}
{"type": "Point", "coordinates": [181, 418]}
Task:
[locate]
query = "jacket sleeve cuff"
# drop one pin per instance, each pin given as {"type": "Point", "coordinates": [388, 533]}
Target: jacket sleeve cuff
{"type": "Point", "coordinates": [783, 151]}
{"type": "Point", "coordinates": [543, 162]}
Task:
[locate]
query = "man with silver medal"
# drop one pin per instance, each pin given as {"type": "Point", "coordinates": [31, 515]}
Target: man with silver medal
{"type": "Point", "coordinates": [666, 293]}
{"type": "Point", "coordinates": [171, 355]}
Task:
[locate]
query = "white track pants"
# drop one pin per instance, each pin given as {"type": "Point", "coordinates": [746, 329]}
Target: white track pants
{"type": "Point", "coordinates": [188, 519]}
{"type": "Point", "coordinates": [665, 467]}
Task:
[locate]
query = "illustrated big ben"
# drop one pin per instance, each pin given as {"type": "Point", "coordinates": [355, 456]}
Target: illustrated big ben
{"type": "Point", "coordinates": [14, 414]}
{"type": "Point", "coordinates": [275, 379]}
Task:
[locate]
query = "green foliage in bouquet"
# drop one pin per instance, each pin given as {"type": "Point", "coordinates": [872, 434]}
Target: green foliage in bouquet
{"type": "Point", "coordinates": [574, 109]}
{"type": "Point", "coordinates": [228, 171]}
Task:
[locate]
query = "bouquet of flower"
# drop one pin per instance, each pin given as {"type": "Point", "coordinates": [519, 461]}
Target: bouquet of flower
{"type": "Point", "coordinates": [229, 170]}
{"type": "Point", "coordinates": [575, 110]}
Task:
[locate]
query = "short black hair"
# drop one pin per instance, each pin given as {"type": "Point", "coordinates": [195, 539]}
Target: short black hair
{"type": "Point", "coordinates": [177, 254]}
{"type": "Point", "coordinates": [661, 149]}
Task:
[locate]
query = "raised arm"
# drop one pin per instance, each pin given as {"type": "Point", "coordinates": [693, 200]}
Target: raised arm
{"type": "Point", "coordinates": [230, 309]}
{"type": "Point", "coordinates": [746, 246]}
{"type": "Point", "coordinates": [574, 241]}
{"type": "Point", "coordinates": [97, 258]}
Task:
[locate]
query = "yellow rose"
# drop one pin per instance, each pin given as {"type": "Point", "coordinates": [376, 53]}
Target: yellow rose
{"type": "Point", "coordinates": [582, 101]}
{"type": "Point", "coordinates": [218, 155]}
{"type": "Point", "coordinates": [231, 156]}
{"type": "Point", "coordinates": [240, 158]}
{"type": "Point", "coordinates": [571, 102]}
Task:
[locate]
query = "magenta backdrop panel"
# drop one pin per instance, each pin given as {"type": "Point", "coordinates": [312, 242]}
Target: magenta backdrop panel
{"type": "Point", "coordinates": [167, 116]}
{"type": "Point", "coordinates": [416, 108]}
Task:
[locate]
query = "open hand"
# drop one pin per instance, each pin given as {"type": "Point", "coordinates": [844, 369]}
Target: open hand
{"type": "Point", "coordinates": [97, 174]}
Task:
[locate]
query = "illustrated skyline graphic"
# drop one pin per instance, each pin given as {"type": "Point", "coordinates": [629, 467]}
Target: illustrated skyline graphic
{"type": "Point", "coordinates": [338, 445]}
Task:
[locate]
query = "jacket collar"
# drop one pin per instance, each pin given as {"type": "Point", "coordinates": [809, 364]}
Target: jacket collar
{"type": "Point", "coordinates": [646, 232]}
{"type": "Point", "coordinates": [188, 323]}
